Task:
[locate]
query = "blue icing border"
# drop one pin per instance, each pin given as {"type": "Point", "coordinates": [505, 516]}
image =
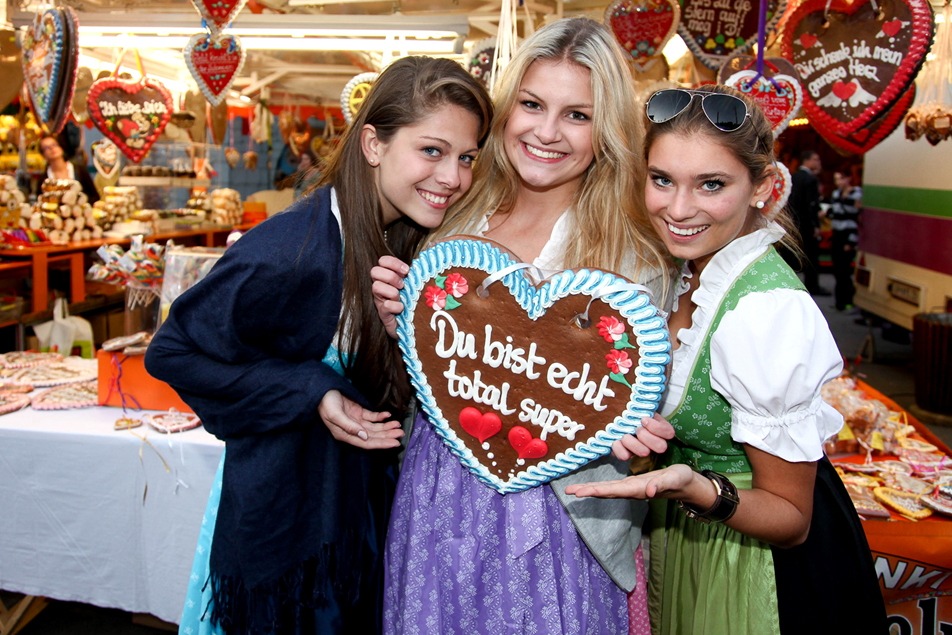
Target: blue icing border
{"type": "Point", "coordinates": [635, 306]}
{"type": "Point", "coordinates": [58, 54]}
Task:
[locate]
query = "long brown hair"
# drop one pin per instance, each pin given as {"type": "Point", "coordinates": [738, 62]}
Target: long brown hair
{"type": "Point", "coordinates": [407, 91]}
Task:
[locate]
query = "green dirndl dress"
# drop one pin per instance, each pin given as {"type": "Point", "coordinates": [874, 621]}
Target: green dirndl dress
{"type": "Point", "coordinates": [709, 579]}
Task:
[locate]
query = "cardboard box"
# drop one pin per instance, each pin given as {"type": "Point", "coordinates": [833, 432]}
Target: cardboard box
{"type": "Point", "coordinates": [125, 376]}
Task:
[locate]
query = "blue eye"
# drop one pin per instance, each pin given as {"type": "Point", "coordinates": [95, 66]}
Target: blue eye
{"type": "Point", "coordinates": [579, 116]}
{"type": "Point", "coordinates": [467, 159]}
{"type": "Point", "coordinates": [432, 152]}
{"type": "Point", "coordinates": [712, 185]}
{"type": "Point", "coordinates": [660, 181]}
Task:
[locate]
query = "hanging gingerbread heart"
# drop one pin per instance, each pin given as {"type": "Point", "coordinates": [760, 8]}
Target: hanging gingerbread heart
{"type": "Point", "coordinates": [525, 382]}
{"type": "Point", "coordinates": [48, 69]}
{"type": "Point", "coordinates": [855, 59]}
{"type": "Point", "coordinates": [643, 27]}
{"type": "Point", "coordinates": [715, 31]}
{"type": "Point", "coordinates": [131, 113]}
{"type": "Point", "coordinates": [11, 66]}
{"type": "Point", "coordinates": [218, 13]}
{"type": "Point", "coordinates": [783, 183]}
{"type": "Point", "coordinates": [865, 139]}
{"type": "Point", "coordinates": [481, 58]}
{"type": "Point", "coordinates": [745, 62]}
{"type": "Point", "coordinates": [105, 158]}
{"type": "Point", "coordinates": [779, 96]}
{"type": "Point", "coordinates": [214, 62]}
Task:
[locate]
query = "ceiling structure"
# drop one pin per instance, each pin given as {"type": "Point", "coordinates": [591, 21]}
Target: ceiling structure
{"type": "Point", "coordinates": [290, 71]}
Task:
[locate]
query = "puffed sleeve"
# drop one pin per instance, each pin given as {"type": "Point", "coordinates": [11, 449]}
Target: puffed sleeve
{"type": "Point", "coordinates": [770, 356]}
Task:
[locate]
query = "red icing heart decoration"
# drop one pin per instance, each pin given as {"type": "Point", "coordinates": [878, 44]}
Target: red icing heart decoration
{"type": "Point", "coordinates": [643, 27]}
{"type": "Point", "coordinates": [779, 96]}
{"type": "Point", "coordinates": [49, 66]}
{"type": "Point", "coordinates": [525, 445]}
{"type": "Point", "coordinates": [482, 426]}
{"type": "Point", "coordinates": [715, 31]}
{"type": "Point", "coordinates": [131, 113]}
{"type": "Point", "coordinates": [865, 139]}
{"type": "Point", "coordinates": [855, 59]}
{"type": "Point", "coordinates": [214, 62]}
{"type": "Point", "coordinates": [218, 13]}
{"type": "Point", "coordinates": [527, 381]}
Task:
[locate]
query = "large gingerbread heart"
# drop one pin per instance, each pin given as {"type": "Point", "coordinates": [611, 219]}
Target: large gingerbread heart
{"type": "Point", "coordinates": [131, 113]}
{"type": "Point", "coordinates": [214, 62]}
{"type": "Point", "coordinates": [714, 31]}
{"type": "Point", "coordinates": [218, 13]}
{"type": "Point", "coordinates": [855, 59]}
{"type": "Point", "coordinates": [643, 27]}
{"type": "Point", "coordinates": [11, 65]}
{"type": "Point", "coordinates": [526, 382]}
{"type": "Point", "coordinates": [779, 96]}
{"type": "Point", "coordinates": [49, 67]}
{"type": "Point", "coordinates": [865, 139]}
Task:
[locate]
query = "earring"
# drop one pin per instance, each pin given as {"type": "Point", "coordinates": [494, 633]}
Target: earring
{"type": "Point", "coordinates": [759, 204]}
{"type": "Point", "coordinates": [373, 162]}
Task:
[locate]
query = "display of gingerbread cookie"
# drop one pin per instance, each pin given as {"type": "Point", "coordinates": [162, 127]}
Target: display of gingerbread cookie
{"type": "Point", "coordinates": [70, 370]}
{"type": "Point", "coordinates": [25, 359]}
{"type": "Point", "coordinates": [866, 506]}
{"type": "Point", "coordinates": [77, 395]}
{"type": "Point", "coordinates": [905, 503]}
{"type": "Point", "coordinates": [13, 401]}
{"type": "Point", "coordinates": [172, 421]}
{"type": "Point", "coordinates": [526, 381]}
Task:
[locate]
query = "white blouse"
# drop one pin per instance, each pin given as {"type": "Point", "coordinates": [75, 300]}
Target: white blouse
{"type": "Point", "coordinates": [769, 356]}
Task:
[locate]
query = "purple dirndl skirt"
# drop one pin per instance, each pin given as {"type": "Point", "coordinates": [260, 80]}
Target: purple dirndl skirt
{"type": "Point", "coordinates": [462, 559]}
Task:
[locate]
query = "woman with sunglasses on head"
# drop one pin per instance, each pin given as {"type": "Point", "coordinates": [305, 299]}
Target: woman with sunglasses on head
{"type": "Point", "coordinates": [753, 532]}
{"type": "Point", "coordinates": [281, 354]}
{"type": "Point", "coordinates": [556, 186]}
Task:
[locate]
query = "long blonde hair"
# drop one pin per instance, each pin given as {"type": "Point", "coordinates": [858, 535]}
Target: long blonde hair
{"type": "Point", "coordinates": [609, 215]}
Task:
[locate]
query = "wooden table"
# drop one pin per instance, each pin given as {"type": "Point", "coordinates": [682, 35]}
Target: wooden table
{"type": "Point", "coordinates": [37, 259]}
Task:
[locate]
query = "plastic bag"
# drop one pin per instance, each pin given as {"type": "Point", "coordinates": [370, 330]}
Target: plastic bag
{"type": "Point", "coordinates": [65, 333]}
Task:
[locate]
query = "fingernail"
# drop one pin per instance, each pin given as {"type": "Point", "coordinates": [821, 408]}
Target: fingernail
{"type": "Point", "coordinates": [363, 435]}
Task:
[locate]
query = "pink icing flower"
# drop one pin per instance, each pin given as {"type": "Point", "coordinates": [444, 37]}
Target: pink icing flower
{"type": "Point", "coordinates": [610, 328]}
{"type": "Point", "coordinates": [618, 362]}
{"type": "Point", "coordinates": [434, 297]}
{"type": "Point", "coordinates": [456, 285]}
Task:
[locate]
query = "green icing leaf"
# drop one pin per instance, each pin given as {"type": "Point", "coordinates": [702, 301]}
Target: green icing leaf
{"type": "Point", "coordinates": [619, 378]}
{"type": "Point", "coordinates": [451, 302]}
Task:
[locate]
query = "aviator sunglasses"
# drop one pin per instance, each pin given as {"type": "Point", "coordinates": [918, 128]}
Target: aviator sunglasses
{"type": "Point", "coordinates": [725, 112]}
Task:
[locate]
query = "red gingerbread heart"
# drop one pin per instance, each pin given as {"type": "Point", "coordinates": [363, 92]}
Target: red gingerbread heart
{"type": "Point", "coordinates": [865, 139]}
{"type": "Point", "coordinates": [214, 62]}
{"type": "Point", "coordinates": [131, 113]}
{"type": "Point", "coordinates": [525, 445]}
{"type": "Point", "coordinates": [779, 96]}
{"type": "Point", "coordinates": [479, 425]}
{"type": "Point", "coordinates": [218, 13]}
{"type": "Point", "coordinates": [49, 66]}
{"type": "Point", "coordinates": [855, 59]}
{"type": "Point", "coordinates": [715, 31]}
{"type": "Point", "coordinates": [643, 27]}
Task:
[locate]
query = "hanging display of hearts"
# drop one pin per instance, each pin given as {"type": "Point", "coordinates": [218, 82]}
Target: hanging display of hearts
{"type": "Point", "coordinates": [779, 96]}
{"type": "Point", "coordinates": [643, 27]}
{"type": "Point", "coordinates": [214, 61]}
{"type": "Point", "coordinates": [132, 113]}
{"type": "Point", "coordinates": [526, 382]}
{"type": "Point", "coordinates": [218, 13]}
{"type": "Point", "coordinates": [715, 31]}
{"type": "Point", "coordinates": [49, 66]}
{"type": "Point", "coordinates": [855, 59]}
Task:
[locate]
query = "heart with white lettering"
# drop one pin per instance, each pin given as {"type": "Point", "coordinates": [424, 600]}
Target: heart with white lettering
{"type": "Point", "coordinates": [131, 113]}
{"type": "Point", "coordinates": [643, 27]}
{"type": "Point", "coordinates": [779, 96]}
{"type": "Point", "coordinates": [714, 31]}
{"type": "Point", "coordinates": [49, 66]}
{"type": "Point", "coordinates": [526, 381]}
{"type": "Point", "coordinates": [855, 59]}
{"type": "Point", "coordinates": [214, 62]}
{"type": "Point", "coordinates": [218, 13]}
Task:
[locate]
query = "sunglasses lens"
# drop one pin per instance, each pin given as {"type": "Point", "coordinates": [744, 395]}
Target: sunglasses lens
{"type": "Point", "coordinates": [726, 112]}
{"type": "Point", "coordinates": [665, 105]}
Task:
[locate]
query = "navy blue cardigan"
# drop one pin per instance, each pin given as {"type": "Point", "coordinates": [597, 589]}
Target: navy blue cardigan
{"type": "Point", "coordinates": [302, 516]}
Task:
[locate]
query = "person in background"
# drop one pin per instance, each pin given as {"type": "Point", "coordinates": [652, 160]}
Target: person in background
{"type": "Point", "coordinates": [804, 202]}
{"type": "Point", "coordinates": [753, 531]}
{"type": "Point", "coordinates": [557, 185]}
{"type": "Point", "coordinates": [845, 205]}
{"type": "Point", "coordinates": [57, 167]}
{"type": "Point", "coordinates": [281, 354]}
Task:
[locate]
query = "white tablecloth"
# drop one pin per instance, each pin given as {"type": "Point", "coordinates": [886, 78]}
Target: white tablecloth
{"type": "Point", "coordinates": [100, 516]}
